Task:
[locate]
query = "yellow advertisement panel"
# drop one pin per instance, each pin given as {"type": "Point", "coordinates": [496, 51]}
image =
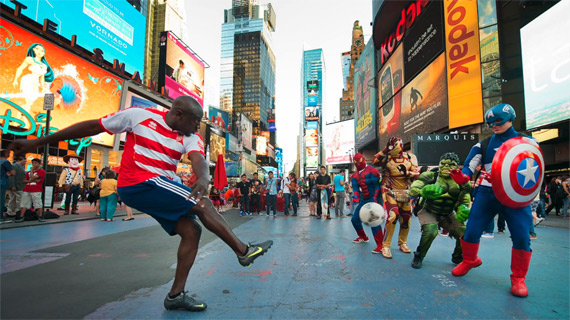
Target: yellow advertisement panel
{"type": "Point", "coordinates": [463, 63]}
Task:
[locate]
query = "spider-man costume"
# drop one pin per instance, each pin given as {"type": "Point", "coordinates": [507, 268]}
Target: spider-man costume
{"type": "Point", "coordinates": [366, 186]}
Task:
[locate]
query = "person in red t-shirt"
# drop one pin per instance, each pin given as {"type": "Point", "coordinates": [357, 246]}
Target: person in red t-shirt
{"type": "Point", "coordinates": [32, 194]}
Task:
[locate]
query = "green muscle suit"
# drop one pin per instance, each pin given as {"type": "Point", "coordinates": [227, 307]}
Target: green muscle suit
{"type": "Point", "coordinates": [445, 204]}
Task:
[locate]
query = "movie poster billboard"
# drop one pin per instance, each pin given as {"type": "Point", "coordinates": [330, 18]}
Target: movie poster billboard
{"type": "Point", "coordinates": [246, 132]}
{"type": "Point", "coordinates": [365, 97]}
{"type": "Point", "coordinates": [32, 67]}
{"type": "Point", "coordinates": [311, 157]}
{"type": "Point", "coordinates": [546, 67]}
{"type": "Point", "coordinates": [391, 80]}
{"type": "Point", "coordinates": [183, 70]}
{"type": "Point", "coordinates": [424, 104]}
{"type": "Point", "coordinates": [217, 143]}
{"type": "Point", "coordinates": [312, 113]}
{"type": "Point", "coordinates": [219, 118]}
{"type": "Point", "coordinates": [339, 142]}
{"type": "Point", "coordinates": [115, 27]}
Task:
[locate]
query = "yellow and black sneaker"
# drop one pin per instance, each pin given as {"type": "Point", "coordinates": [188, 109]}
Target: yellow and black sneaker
{"type": "Point", "coordinates": [254, 251]}
{"type": "Point", "coordinates": [184, 301]}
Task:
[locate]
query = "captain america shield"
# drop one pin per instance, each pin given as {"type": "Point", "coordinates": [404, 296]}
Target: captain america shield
{"type": "Point", "coordinates": [517, 172]}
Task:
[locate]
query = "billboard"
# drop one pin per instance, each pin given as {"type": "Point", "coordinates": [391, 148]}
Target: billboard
{"type": "Point", "coordinates": [312, 157]}
{"type": "Point", "coordinates": [232, 164]}
{"type": "Point", "coordinates": [463, 63]}
{"type": "Point", "coordinates": [32, 66]}
{"type": "Point", "coordinates": [339, 142]}
{"type": "Point", "coordinates": [312, 101]}
{"type": "Point", "coordinates": [312, 113]}
{"type": "Point", "coordinates": [365, 97]}
{"type": "Point", "coordinates": [231, 143]}
{"type": "Point", "coordinates": [546, 68]}
{"type": "Point", "coordinates": [261, 146]}
{"type": "Point", "coordinates": [279, 160]}
{"type": "Point", "coordinates": [183, 70]}
{"type": "Point", "coordinates": [115, 27]}
{"type": "Point", "coordinates": [217, 143]}
{"type": "Point", "coordinates": [391, 80]}
{"type": "Point", "coordinates": [246, 132]}
{"type": "Point", "coordinates": [311, 137]}
{"type": "Point", "coordinates": [132, 99]}
{"type": "Point", "coordinates": [312, 125]}
{"type": "Point", "coordinates": [424, 40]}
{"type": "Point", "coordinates": [271, 125]}
{"type": "Point", "coordinates": [219, 118]}
{"type": "Point", "coordinates": [424, 105]}
{"type": "Point", "coordinates": [313, 86]}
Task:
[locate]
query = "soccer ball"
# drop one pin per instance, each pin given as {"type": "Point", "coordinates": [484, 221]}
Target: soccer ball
{"type": "Point", "coordinates": [372, 214]}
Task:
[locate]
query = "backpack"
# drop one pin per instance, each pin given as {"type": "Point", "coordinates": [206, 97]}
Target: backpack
{"type": "Point", "coordinates": [50, 215]}
{"type": "Point", "coordinates": [30, 215]}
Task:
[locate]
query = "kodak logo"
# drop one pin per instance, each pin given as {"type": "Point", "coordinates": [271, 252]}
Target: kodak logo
{"type": "Point", "coordinates": [458, 37]}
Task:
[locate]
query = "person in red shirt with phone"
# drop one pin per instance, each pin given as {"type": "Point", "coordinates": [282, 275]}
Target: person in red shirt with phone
{"type": "Point", "coordinates": [32, 193]}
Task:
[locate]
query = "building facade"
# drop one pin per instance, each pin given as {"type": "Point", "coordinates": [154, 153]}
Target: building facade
{"type": "Point", "coordinates": [346, 103]}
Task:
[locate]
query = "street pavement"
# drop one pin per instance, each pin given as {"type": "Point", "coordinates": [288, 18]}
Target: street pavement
{"type": "Point", "coordinates": [123, 270]}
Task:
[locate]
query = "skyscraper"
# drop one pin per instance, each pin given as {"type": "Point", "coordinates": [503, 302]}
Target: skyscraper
{"type": "Point", "coordinates": [347, 101]}
{"type": "Point", "coordinates": [312, 74]}
{"type": "Point", "coordinates": [247, 71]}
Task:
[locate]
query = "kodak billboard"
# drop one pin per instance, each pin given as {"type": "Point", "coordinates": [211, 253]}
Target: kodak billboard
{"type": "Point", "coordinates": [463, 63]}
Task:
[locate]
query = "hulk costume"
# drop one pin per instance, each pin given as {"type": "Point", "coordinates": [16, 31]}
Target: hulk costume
{"type": "Point", "coordinates": [442, 199]}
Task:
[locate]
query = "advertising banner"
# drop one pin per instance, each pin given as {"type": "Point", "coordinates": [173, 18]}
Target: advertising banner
{"type": "Point", "coordinates": [428, 148]}
{"type": "Point", "coordinates": [313, 85]}
{"type": "Point", "coordinates": [312, 157]}
{"type": "Point", "coordinates": [311, 113]}
{"type": "Point", "coordinates": [311, 137]}
{"type": "Point", "coordinates": [312, 101]}
{"type": "Point", "coordinates": [246, 132]}
{"type": "Point", "coordinates": [463, 63]}
{"type": "Point", "coordinates": [135, 100]}
{"type": "Point", "coordinates": [546, 67]}
{"type": "Point", "coordinates": [219, 118]}
{"type": "Point", "coordinates": [424, 40]}
{"type": "Point", "coordinates": [232, 164]}
{"type": "Point", "coordinates": [365, 97]}
{"type": "Point", "coordinates": [115, 27]}
{"type": "Point", "coordinates": [217, 143]}
{"type": "Point", "coordinates": [391, 80]}
{"type": "Point", "coordinates": [261, 146]}
{"type": "Point", "coordinates": [424, 105]}
{"type": "Point", "coordinates": [184, 72]}
{"type": "Point", "coordinates": [271, 125]}
{"type": "Point", "coordinates": [339, 142]}
{"type": "Point", "coordinates": [279, 160]}
{"type": "Point", "coordinates": [231, 143]}
{"type": "Point", "coordinates": [32, 67]}
{"type": "Point", "coordinates": [312, 125]}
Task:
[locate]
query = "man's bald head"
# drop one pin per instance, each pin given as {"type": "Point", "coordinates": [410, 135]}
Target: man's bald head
{"type": "Point", "coordinates": [185, 115]}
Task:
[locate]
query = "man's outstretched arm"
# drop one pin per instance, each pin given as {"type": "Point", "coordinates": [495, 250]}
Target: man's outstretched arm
{"type": "Point", "coordinates": [79, 130]}
{"type": "Point", "coordinates": [200, 168]}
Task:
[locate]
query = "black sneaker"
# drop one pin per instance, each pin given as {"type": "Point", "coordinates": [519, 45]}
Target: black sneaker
{"type": "Point", "coordinates": [254, 251]}
{"type": "Point", "coordinates": [184, 301]}
{"type": "Point", "coordinates": [19, 220]}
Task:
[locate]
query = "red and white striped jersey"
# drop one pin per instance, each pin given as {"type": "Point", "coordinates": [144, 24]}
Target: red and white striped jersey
{"type": "Point", "coordinates": [152, 147]}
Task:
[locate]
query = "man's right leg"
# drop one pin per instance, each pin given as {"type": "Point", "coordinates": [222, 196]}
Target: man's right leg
{"type": "Point", "coordinates": [287, 197]}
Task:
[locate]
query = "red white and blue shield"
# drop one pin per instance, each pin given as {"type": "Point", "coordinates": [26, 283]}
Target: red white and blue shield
{"type": "Point", "coordinates": [517, 172]}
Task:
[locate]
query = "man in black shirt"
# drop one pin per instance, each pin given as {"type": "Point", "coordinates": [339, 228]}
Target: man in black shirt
{"type": "Point", "coordinates": [244, 187]}
{"type": "Point", "coordinates": [323, 183]}
{"type": "Point", "coordinates": [255, 192]}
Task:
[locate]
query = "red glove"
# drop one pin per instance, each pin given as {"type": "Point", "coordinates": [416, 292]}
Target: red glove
{"type": "Point", "coordinates": [459, 177]}
{"type": "Point", "coordinates": [486, 175]}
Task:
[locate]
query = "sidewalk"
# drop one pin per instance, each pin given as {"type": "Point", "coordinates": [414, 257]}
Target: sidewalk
{"type": "Point", "coordinates": [86, 212]}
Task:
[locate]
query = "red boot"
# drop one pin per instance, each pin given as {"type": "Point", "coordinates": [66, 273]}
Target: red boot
{"type": "Point", "coordinates": [378, 237]}
{"type": "Point", "coordinates": [470, 259]}
{"type": "Point", "coordinates": [361, 236]}
{"type": "Point", "coordinates": [520, 260]}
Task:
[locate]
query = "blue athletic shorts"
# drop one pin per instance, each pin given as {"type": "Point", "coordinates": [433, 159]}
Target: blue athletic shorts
{"type": "Point", "coordinates": [162, 198]}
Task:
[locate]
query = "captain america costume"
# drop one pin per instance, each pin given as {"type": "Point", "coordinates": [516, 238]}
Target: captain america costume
{"type": "Point", "coordinates": [486, 203]}
{"type": "Point", "coordinates": [366, 188]}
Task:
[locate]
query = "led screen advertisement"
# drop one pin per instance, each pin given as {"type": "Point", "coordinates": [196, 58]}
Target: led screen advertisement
{"type": "Point", "coordinates": [133, 99]}
{"type": "Point", "coordinates": [311, 137]}
{"type": "Point", "coordinates": [339, 142]}
{"type": "Point", "coordinates": [219, 118]}
{"type": "Point", "coordinates": [312, 113]}
{"type": "Point", "coordinates": [312, 101]}
{"type": "Point", "coordinates": [231, 143]}
{"type": "Point", "coordinates": [313, 86]}
{"type": "Point", "coordinates": [217, 144]}
{"type": "Point", "coordinates": [261, 146]}
{"type": "Point", "coordinates": [183, 71]}
{"type": "Point", "coordinates": [423, 105]}
{"type": "Point", "coordinates": [246, 132]}
{"type": "Point", "coordinates": [365, 97]}
{"type": "Point", "coordinates": [113, 26]}
{"type": "Point", "coordinates": [32, 67]}
{"type": "Point", "coordinates": [312, 157]}
{"type": "Point", "coordinates": [232, 164]}
{"type": "Point", "coordinates": [546, 67]}
{"type": "Point", "coordinates": [279, 160]}
{"type": "Point", "coordinates": [391, 80]}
